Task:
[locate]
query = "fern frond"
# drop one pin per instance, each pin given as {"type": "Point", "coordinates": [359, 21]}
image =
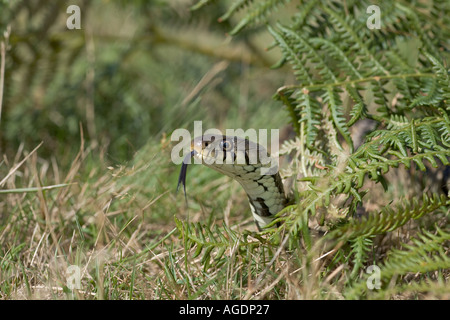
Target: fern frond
{"type": "Point", "coordinates": [289, 102]}
{"type": "Point", "coordinates": [301, 17]}
{"type": "Point", "coordinates": [442, 76]}
{"type": "Point", "coordinates": [334, 103]}
{"type": "Point", "coordinates": [212, 245]}
{"type": "Point", "coordinates": [347, 29]}
{"type": "Point", "coordinates": [426, 253]}
{"type": "Point", "coordinates": [235, 7]}
{"type": "Point", "coordinates": [302, 46]}
{"type": "Point", "coordinates": [290, 54]}
{"type": "Point", "coordinates": [359, 110]}
{"type": "Point", "coordinates": [429, 95]}
{"type": "Point", "coordinates": [390, 219]}
{"type": "Point", "coordinates": [343, 61]}
{"type": "Point", "coordinates": [360, 251]}
{"type": "Point", "coordinates": [350, 182]}
{"type": "Point", "coordinates": [403, 134]}
{"type": "Point", "coordinates": [258, 13]}
{"type": "Point", "coordinates": [310, 112]}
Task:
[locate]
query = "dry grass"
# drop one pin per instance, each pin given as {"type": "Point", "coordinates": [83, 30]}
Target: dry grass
{"type": "Point", "coordinates": [117, 225]}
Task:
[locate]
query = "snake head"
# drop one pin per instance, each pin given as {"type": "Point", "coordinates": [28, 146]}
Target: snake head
{"type": "Point", "coordinates": [226, 154]}
{"type": "Point", "coordinates": [248, 163]}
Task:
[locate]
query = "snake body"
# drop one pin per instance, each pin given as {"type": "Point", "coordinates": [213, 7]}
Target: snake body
{"type": "Point", "coordinates": [248, 163]}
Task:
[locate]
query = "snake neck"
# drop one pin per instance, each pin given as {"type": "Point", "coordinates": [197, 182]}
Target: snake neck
{"type": "Point", "coordinates": [265, 192]}
{"type": "Point", "coordinates": [266, 197]}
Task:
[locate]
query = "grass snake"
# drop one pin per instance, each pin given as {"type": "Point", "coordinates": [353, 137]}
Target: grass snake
{"type": "Point", "coordinates": [248, 163]}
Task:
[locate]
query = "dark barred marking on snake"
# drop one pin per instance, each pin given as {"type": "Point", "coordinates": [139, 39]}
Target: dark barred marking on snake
{"type": "Point", "coordinates": [242, 160]}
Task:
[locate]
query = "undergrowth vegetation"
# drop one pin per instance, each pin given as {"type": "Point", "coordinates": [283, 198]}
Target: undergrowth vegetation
{"type": "Point", "coordinates": [87, 179]}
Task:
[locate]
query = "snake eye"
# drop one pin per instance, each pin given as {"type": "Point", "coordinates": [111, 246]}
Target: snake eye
{"type": "Point", "coordinates": [226, 145]}
{"type": "Point", "coordinates": [206, 143]}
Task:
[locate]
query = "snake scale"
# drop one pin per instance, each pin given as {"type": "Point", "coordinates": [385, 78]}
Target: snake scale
{"type": "Point", "coordinates": [248, 163]}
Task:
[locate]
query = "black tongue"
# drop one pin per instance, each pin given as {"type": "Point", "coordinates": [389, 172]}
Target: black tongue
{"type": "Point", "coordinates": [183, 171]}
